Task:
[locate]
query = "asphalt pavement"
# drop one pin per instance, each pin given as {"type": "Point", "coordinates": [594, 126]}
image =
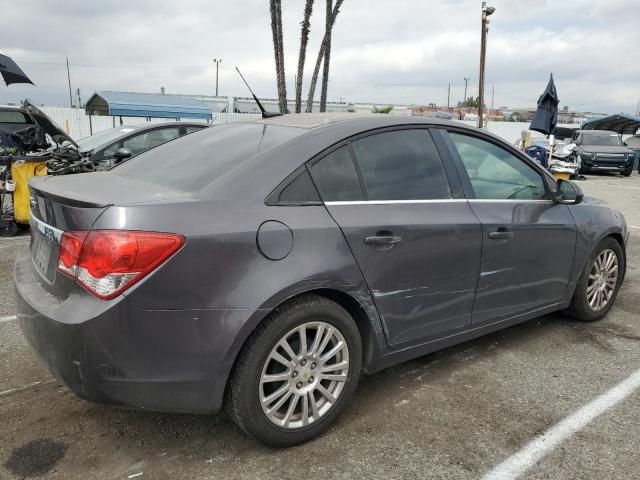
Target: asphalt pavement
{"type": "Point", "coordinates": [462, 413]}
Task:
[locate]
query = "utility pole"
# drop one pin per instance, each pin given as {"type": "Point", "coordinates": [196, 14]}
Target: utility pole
{"type": "Point", "coordinates": [69, 81]}
{"type": "Point", "coordinates": [493, 94]}
{"type": "Point", "coordinates": [218, 61]}
{"type": "Point", "coordinates": [449, 95]}
{"type": "Point", "coordinates": [486, 11]}
{"type": "Point", "coordinates": [466, 82]}
{"type": "Point", "coordinates": [79, 98]}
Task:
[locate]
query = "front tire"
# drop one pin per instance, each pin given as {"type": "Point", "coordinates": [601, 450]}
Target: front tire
{"type": "Point", "coordinates": [599, 282]}
{"type": "Point", "coordinates": [627, 172]}
{"type": "Point", "coordinates": [296, 373]}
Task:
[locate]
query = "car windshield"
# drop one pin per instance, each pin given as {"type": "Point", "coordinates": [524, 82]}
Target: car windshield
{"type": "Point", "coordinates": [9, 116]}
{"type": "Point", "coordinates": [193, 161]}
{"type": "Point", "coordinates": [100, 138]}
{"type": "Point", "coordinates": [601, 140]}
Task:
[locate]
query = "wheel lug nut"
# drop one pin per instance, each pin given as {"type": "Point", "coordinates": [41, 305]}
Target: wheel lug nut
{"type": "Point", "coordinates": [303, 362]}
{"type": "Point", "coordinates": [294, 374]}
{"type": "Point", "coordinates": [313, 365]}
{"type": "Point", "coordinates": [310, 379]}
{"type": "Point", "coordinates": [299, 385]}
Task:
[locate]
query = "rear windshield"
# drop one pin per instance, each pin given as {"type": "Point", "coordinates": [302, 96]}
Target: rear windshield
{"type": "Point", "coordinates": [13, 117]}
{"type": "Point", "coordinates": [192, 162]}
{"type": "Point", "coordinates": [601, 140]}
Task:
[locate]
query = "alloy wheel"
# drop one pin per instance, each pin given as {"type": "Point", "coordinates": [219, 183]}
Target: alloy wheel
{"type": "Point", "coordinates": [304, 375]}
{"type": "Point", "coordinates": [603, 279]}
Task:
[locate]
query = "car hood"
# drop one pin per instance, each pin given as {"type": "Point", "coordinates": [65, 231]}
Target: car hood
{"type": "Point", "coordinates": [48, 125]}
{"type": "Point", "coordinates": [605, 149]}
{"type": "Point", "coordinates": [594, 201]}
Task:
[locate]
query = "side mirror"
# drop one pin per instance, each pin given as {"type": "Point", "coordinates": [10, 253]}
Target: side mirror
{"type": "Point", "coordinates": [568, 193]}
{"type": "Point", "coordinates": [122, 153]}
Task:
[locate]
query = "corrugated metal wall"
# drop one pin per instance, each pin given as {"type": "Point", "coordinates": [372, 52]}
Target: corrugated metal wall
{"type": "Point", "coordinates": [76, 122]}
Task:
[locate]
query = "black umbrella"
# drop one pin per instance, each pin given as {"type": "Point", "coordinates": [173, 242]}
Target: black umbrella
{"type": "Point", "coordinates": [546, 117]}
{"type": "Point", "coordinates": [12, 73]}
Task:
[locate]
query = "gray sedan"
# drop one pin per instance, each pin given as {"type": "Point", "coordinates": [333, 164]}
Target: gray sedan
{"type": "Point", "coordinates": [267, 265]}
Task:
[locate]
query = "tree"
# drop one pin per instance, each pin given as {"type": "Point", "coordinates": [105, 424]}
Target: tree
{"type": "Point", "coordinates": [470, 103]}
{"type": "Point", "coordinates": [304, 39]}
{"type": "Point", "coordinates": [327, 58]}
{"type": "Point", "coordinates": [386, 109]}
{"type": "Point", "coordinates": [278, 49]}
{"type": "Point", "coordinates": [323, 47]}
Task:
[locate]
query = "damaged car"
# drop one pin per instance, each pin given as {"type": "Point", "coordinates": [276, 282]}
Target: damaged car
{"type": "Point", "coordinates": [108, 148]}
{"type": "Point", "coordinates": [309, 250]}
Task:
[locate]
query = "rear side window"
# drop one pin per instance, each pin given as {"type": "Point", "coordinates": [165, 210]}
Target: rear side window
{"type": "Point", "coordinates": [299, 191]}
{"type": "Point", "coordinates": [336, 177]}
{"type": "Point", "coordinates": [401, 165]}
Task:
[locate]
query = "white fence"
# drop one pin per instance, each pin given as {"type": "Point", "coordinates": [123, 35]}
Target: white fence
{"type": "Point", "coordinates": [75, 121]}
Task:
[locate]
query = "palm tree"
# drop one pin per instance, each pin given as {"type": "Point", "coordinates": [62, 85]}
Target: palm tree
{"type": "Point", "coordinates": [327, 58]}
{"type": "Point", "coordinates": [278, 49]}
{"type": "Point", "coordinates": [304, 38]}
{"type": "Point", "coordinates": [323, 47]}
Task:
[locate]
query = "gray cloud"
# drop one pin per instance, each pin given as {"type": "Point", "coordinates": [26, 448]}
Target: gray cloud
{"type": "Point", "coordinates": [403, 51]}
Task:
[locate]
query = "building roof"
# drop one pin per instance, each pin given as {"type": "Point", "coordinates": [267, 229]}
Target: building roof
{"type": "Point", "coordinates": [154, 105]}
{"type": "Point", "coordinates": [621, 123]}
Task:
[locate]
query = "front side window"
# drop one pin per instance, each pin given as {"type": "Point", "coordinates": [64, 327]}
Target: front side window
{"type": "Point", "coordinates": [401, 165]}
{"type": "Point", "coordinates": [495, 173]}
{"type": "Point", "coordinates": [336, 178]}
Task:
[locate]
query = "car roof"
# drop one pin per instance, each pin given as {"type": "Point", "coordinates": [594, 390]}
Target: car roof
{"type": "Point", "coordinates": [150, 126]}
{"type": "Point", "coordinates": [370, 120]}
{"type": "Point", "coordinates": [12, 108]}
{"type": "Point", "coordinates": [599, 133]}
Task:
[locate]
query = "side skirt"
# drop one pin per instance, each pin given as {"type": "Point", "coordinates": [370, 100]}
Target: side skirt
{"type": "Point", "coordinates": [392, 358]}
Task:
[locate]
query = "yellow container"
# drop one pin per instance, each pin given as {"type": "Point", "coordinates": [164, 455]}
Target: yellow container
{"type": "Point", "coordinates": [561, 175]}
{"type": "Point", "coordinates": [21, 172]}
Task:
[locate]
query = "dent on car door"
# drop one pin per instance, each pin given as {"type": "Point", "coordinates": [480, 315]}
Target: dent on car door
{"type": "Point", "coordinates": [528, 240]}
{"type": "Point", "coordinates": [418, 248]}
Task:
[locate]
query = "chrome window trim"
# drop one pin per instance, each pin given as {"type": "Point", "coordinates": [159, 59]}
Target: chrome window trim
{"type": "Point", "coordinates": [394, 202]}
{"type": "Point", "coordinates": [444, 200]}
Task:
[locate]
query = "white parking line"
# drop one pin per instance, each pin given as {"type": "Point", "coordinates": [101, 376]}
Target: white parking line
{"type": "Point", "coordinates": [8, 318]}
{"type": "Point", "coordinates": [521, 461]}
{"type": "Point", "coordinates": [34, 384]}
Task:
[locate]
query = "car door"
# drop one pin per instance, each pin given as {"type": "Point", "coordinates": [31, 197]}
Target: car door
{"type": "Point", "coordinates": [417, 245]}
{"type": "Point", "coordinates": [528, 240]}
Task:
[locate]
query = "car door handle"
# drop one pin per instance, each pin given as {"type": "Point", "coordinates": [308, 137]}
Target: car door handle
{"type": "Point", "coordinates": [501, 234]}
{"type": "Point", "coordinates": [382, 240]}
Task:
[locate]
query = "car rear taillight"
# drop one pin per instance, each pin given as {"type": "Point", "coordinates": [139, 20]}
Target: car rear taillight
{"type": "Point", "coordinates": [107, 262]}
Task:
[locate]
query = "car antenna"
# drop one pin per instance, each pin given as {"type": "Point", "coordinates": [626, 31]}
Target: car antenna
{"type": "Point", "coordinates": [265, 114]}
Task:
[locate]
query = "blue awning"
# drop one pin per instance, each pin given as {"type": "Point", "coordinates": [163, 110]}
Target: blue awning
{"type": "Point", "coordinates": [621, 123]}
{"type": "Point", "coordinates": [154, 105]}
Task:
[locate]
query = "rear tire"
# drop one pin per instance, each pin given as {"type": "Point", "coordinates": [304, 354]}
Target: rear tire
{"type": "Point", "coordinates": [309, 378]}
{"type": "Point", "coordinates": [587, 304]}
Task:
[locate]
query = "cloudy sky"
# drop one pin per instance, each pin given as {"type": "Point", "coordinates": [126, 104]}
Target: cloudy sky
{"type": "Point", "coordinates": [384, 51]}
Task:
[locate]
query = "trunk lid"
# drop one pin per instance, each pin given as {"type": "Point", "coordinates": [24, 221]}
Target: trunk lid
{"type": "Point", "coordinates": [71, 203]}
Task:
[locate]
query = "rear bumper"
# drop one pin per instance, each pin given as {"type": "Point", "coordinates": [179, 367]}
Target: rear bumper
{"type": "Point", "coordinates": [116, 353]}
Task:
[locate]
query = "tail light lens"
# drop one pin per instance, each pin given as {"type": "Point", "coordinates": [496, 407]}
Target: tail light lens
{"type": "Point", "coordinates": [107, 262]}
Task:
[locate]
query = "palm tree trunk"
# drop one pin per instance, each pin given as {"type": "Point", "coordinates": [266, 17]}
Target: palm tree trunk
{"type": "Point", "coordinates": [323, 47]}
{"type": "Point", "coordinates": [327, 60]}
{"type": "Point", "coordinates": [278, 48]}
{"type": "Point", "coordinates": [304, 38]}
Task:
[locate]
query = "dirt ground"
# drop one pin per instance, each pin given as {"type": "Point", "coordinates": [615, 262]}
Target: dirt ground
{"type": "Point", "coordinates": [454, 414]}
